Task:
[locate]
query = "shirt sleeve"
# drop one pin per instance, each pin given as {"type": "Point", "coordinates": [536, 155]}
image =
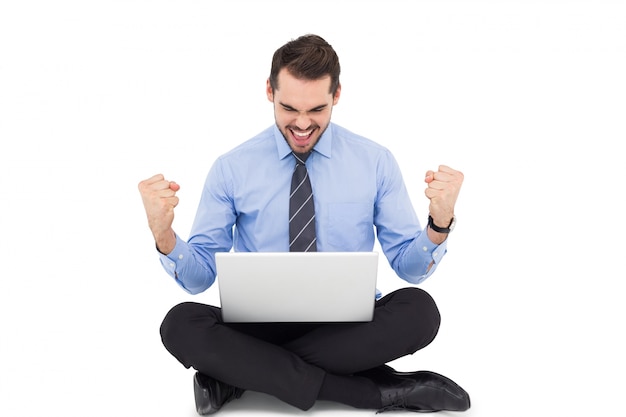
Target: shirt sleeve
{"type": "Point", "coordinates": [405, 243]}
{"type": "Point", "coordinates": [192, 263]}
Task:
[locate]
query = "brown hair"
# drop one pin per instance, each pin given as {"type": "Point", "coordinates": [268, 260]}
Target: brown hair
{"type": "Point", "coordinates": [308, 57]}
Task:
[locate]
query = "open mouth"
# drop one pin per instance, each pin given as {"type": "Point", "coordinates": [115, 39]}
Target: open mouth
{"type": "Point", "coordinates": [301, 138]}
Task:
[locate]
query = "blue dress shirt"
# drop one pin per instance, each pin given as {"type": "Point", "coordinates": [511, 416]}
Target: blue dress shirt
{"type": "Point", "coordinates": [359, 194]}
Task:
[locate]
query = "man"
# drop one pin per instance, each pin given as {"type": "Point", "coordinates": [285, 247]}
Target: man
{"type": "Point", "coordinates": [357, 187]}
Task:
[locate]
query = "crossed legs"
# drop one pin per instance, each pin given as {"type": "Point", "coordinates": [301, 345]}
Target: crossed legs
{"type": "Point", "coordinates": [290, 361]}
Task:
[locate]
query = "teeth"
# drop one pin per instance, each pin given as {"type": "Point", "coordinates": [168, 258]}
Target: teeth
{"type": "Point", "coordinates": [302, 134]}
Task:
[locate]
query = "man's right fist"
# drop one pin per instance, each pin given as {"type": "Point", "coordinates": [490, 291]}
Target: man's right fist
{"type": "Point", "coordinates": [159, 199]}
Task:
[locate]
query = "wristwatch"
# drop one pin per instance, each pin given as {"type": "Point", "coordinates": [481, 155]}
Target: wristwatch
{"type": "Point", "coordinates": [438, 229]}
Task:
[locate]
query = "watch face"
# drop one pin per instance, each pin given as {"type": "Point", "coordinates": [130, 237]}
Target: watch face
{"type": "Point", "coordinates": [452, 224]}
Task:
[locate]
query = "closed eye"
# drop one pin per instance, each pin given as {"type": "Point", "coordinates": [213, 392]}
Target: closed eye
{"type": "Point", "coordinates": [317, 109]}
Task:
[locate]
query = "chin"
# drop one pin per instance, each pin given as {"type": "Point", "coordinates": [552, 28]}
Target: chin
{"type": "Point", "coordinates": [305, 149]}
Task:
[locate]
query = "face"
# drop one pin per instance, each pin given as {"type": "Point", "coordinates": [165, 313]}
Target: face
{"type": "Point", "coordinates": [302, 109]}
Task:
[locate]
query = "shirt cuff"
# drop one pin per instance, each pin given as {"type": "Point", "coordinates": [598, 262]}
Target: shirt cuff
{"type": "Point", "coordinates": [424, 259]}
{"type": "Point", "coordinates": [436, 252]}
{"type": "Point", "coordinates": [170, 261]}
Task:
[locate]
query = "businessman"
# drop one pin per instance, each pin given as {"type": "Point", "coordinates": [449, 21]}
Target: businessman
{"type": "Point", "coordinates": [308, 184]}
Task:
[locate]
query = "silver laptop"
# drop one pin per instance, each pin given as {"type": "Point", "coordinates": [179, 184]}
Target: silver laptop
{"type": "Point", "coordinates": [297, 286]}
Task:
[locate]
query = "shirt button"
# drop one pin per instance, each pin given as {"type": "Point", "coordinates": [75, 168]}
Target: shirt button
{"type": "Point", "coordinates": [172, 264]}
{"type": "Point", "coordinates": [180, 256]}
{"type": "Point", "coordinates": [424, 248]}
{"type": "Point", "coordinates": [435, 254]}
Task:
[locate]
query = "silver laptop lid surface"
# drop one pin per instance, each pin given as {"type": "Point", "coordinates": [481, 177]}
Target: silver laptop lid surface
{"type": "Point", "coordinates": [297, 286]}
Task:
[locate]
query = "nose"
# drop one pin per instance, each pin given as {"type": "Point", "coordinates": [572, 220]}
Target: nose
{"type": "Point", "coordinates": [303, 121]}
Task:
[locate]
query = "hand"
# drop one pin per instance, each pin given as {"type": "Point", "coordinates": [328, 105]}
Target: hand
{"type": "Point", "coordinates": [442, 191]}
{"type": "Point", "coordinates": [159, 200]}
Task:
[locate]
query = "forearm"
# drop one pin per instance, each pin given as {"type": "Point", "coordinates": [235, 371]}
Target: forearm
{"type": "Point", "coordinates": [165, 241]}
{"type": "Point", "coordinates": [435, 237]}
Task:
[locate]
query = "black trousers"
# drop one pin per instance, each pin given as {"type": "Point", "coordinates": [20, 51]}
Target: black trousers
{"type": "Point", "coordinates": [290, 360]}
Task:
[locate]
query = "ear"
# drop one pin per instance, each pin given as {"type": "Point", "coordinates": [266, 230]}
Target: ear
{"type": "Point", "coordinates": [269, 91]}
{"type": "Point", "coordinates": [337, 94]}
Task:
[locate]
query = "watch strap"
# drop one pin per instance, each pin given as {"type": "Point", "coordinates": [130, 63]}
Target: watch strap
{"type": "Point", "coordinates": [438, 229]}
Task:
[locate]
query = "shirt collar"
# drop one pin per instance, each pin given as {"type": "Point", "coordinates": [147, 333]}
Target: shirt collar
{"type": "Point", "coordinates": [323, 146]}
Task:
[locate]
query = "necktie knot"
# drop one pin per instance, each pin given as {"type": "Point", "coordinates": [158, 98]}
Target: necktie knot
{"type": "Point", "coordinates": [301, 157]}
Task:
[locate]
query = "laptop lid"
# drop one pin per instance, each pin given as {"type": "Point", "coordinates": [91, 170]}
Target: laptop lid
{"type": "Point", "coordinates": [297, 286]}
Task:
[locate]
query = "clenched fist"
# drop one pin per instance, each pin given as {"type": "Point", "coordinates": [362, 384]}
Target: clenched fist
{"type": "Point", "coordinates": [159, 200]}
{"type": "Point", "coordinates": [442, 191]}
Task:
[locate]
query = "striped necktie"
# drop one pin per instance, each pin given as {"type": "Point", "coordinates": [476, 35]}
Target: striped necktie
{"type": "Point", "coordinates": [301, 209]}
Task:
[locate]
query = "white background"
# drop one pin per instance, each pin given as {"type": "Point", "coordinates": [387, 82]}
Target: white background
{"type": "Point", "coordinates": [527, 98]}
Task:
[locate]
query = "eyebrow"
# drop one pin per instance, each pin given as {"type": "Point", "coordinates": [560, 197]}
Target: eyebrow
{"type": "Point", "coordinates": [288, 107]}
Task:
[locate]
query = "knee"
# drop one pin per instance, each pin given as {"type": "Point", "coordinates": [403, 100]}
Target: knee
{"type": "Point", "coordinates": [422, 317]}
{"type": "Point", "coordinates": [177, 326]}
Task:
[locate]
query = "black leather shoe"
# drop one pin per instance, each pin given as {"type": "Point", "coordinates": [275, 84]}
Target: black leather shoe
{"type": "Point", "coordinates": [211, 394]}
{"type": "Point", "coordinates": [421, 391]}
